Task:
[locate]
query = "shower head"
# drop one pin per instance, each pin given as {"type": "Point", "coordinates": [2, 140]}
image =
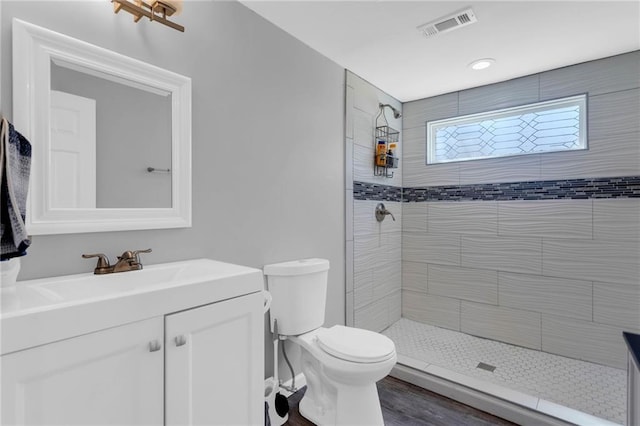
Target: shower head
{"type": "Point", "coordinates": [396, 113]}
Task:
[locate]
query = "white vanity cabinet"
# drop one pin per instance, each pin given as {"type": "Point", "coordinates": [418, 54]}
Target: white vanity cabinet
{"type": "Point", "coordinates": [189, 350]}
{"type": "Point", "coordinates": [107, 377]}
{"type": "Point", "coordinates": [213, 355]}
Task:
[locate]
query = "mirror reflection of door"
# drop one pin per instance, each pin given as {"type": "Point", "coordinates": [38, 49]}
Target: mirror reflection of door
{"type": "Point", "coordinates": [73, 151]}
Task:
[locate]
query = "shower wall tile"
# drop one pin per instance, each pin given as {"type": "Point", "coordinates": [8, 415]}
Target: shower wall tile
{"type": "Point", "coordinates": [418, 112]}
{"type": "Point", "coordinates": [463, 217]}
{"type": "Point", "coordinates": [548, 295]}
{"type": "Point", "coordinates": [374, 317]}
{"type": "Point", "coordinates": [616, 148]}
{"type": "Point", "coordinates": [349, 265]}
{"type": "Point", "coordinates": [518, 91]}
{"type": "Point", "coordinates": [364, 218]}
{"type": "Point", "coordinates": [434, 310]}
{"type": "Point", "coordinates": [616, 219]}
{"type": "Point", "coordinates": [614, 113]}
{"type": "Point", "coordinates": [394, 306]}
{"type": "Point", "coordinates": [431, 248]}
{"type": "Point", "coordinates": [414, 217]}
{"type": "Point", "coordinates": [387, 279]}
{"type": "Point", "coordinates": [546, 218]}
{"type": "Point", "coordinates": [363, 168]}
{"type": "Point", "coordinates": [349, 214]}
{"type": "Point", "coordinates": [391, 247]}
{"type": "Point", "coordinates": [613, 74]}
{"type": "Point", "coordinates": [617, 304]}
{"type": "Point", "coordinates": [513, 326]}
{"type": "Point", "coordinates": [419, 174]}
{"type": "Point", "coordinates": [366, 95]}
{"type": "Point", "coordinates": [415, 170]}
{"type": "Point", "coordinates": [363, 164]}
{"type": "Point", "coordinates": [363, 288]}
{"type": "Point", "coordinates": [414, 276]}
{"type": "Point", "coordinates": [368, 252]}
{"type": "Point", "coordinates": [475, 285]}
{"type": "Point", "coordinates": [348, 119]}
{"type": "Point", "coordinates": [588, 341]}
{"type": "Point", "coordinates": [502, 254]}
{"type": "Point", "coordinates": [348, 163]}
{"type": "Point", "coordinates": [362, 128]}
{"type": "Point", "coordinates": [349, 310]}
{"type": "Point", "coordinates": [521, 168]}
{"type": "Point", "coordinates": [598, 260]}
{"type": "Point", "coordinates": [608, 155]}
{"type": "Point", "coordinates": [389, 224]}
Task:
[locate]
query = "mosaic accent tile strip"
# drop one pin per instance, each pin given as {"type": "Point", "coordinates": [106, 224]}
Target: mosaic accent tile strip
{"type": "Point", "coordinates": [576, 189]}
{"type": "Point", "coordinates": [377, 192]}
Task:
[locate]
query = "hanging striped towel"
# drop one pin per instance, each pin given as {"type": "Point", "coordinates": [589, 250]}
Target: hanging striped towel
{"type": "Point", "coordinates": [15, 166]}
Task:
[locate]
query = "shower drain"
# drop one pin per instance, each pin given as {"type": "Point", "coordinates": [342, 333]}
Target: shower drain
{"type": "Point", "coordinates": [484, 366]}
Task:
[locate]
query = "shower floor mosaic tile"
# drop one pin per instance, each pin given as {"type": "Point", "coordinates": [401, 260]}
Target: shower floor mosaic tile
{"type": "Point", "coordinates": [587, 387]}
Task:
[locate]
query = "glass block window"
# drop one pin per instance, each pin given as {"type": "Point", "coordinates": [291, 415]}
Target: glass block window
{"type": "Point", "coordinates": [558, 125]}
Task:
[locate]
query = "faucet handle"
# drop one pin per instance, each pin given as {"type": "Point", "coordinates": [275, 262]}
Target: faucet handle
{"type": "Point", "coordinates": [133, 255]}
{"type": "Point", "coordinates": [135, 252]}
{"type": "Point", "coordinates": [103, 265]}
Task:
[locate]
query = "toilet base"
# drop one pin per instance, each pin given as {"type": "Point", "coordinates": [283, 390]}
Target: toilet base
{"type": "Point", "coordinates": [331, 403]}
{"type": "Point", "coordinates": [356, 406]}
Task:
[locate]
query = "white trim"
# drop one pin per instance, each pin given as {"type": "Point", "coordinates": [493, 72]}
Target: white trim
{"type": "Point", "coordinates": [579, 100]}
{"type": "Point", "coordinates": [34, 48]}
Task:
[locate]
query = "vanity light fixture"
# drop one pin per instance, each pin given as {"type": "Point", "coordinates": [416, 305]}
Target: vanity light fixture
{"type": "Point", "coordinates": [155, 10]}
{"type": "Point", "coordinates": [481, 64]}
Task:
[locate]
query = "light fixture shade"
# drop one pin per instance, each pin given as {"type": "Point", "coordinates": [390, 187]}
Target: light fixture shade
{"type": "Point", "coordinates": [175, 4]}
{"type": "Point", "coordinates": [481, 64]}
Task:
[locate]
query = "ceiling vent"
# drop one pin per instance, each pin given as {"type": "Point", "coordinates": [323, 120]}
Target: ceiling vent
{"type": "Point", "coordinates": [448, 23]}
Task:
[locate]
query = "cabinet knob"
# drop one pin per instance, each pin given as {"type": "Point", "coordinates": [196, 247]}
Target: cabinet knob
{"type": "Point", "coordinates": [154, 346]}
{"type": "Point", "coordinates": [180, 340]}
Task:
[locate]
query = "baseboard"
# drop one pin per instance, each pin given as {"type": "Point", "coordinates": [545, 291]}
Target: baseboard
{"type": "Point", "coordinates": [476, 399]}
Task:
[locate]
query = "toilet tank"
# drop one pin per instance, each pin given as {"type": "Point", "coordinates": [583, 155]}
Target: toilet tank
{"type": "Point", "coordinates": [299, 291]}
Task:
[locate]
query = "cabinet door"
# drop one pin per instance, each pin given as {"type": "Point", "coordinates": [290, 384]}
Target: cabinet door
{"type": "Point", "coordinates": [215, 364]}
{"type": "Point", "coordinates": [107, 377]}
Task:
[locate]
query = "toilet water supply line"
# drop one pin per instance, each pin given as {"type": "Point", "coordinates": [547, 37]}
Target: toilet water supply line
{"type": "Point", "coordinates": [267, 305]}
{"type": "Point", "coordinates": [291, 388]}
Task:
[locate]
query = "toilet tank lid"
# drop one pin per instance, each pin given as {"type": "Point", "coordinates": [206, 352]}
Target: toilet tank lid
{"type": "Point", "coordinates": [297, 267]}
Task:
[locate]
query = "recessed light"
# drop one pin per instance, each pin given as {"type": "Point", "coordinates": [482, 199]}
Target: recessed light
{"type": "Point", "coordinates": [481, 64]}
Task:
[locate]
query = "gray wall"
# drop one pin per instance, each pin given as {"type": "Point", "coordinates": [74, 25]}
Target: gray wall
{"type": "Point", "coordinates": [373, 248]}
{"type": "Point", "coordinates": [133, 132]}
{"type": "Point", "coordinates": [268, 156]}
{"type": "Point", "coordinates": [562, 276]}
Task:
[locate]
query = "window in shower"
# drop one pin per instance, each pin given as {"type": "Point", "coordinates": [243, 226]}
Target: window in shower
{"type": "Point", "coordinates": [557, 125]}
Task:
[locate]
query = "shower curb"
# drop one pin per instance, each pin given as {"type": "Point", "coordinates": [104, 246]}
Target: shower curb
{"type": "Point", "coordinates": [499, 407]}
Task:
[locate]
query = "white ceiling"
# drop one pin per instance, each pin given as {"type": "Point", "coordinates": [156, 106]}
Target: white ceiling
{"type": "Point", "coordinates": [378, 40]}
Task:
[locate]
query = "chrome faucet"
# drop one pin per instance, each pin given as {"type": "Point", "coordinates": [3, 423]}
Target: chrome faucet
{"type": "Point", "coordinates": [128, 261]}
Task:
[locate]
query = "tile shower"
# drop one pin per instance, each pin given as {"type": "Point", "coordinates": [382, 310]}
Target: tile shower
{"type": "Point", "coordinates": [474, 253]}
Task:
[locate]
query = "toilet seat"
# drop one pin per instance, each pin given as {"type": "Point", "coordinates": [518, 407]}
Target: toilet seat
{"type": "Point", "coordinates": [355, 345]}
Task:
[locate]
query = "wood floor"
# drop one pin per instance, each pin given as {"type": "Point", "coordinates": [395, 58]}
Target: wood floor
{"type": "Point", "coordinates": [406, 404]}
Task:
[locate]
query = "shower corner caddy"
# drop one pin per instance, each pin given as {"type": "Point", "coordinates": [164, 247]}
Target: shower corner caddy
{"type": "Point", "coordinates": [383, 161]}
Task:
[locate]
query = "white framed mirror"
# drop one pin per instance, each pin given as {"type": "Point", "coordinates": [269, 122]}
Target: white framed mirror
{"type": "Point", "coordinates": [110, 135]}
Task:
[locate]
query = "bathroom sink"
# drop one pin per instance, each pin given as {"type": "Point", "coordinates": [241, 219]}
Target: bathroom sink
{"type": "Point", "coordinates": [43, 310]}
{"type": "Point", "coordinates": [79, 287]}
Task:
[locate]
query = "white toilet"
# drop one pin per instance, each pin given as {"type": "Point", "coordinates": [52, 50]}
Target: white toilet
{"type": "Point", "coordinates": [341, 364]}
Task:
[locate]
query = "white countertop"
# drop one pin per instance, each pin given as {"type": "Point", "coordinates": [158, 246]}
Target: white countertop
{"type": "Point", "coordinates": [37, 312]}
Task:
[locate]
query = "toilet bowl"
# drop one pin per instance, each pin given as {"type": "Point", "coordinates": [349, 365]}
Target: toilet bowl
{"type": "Point", "coordinates": [341, 364]}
